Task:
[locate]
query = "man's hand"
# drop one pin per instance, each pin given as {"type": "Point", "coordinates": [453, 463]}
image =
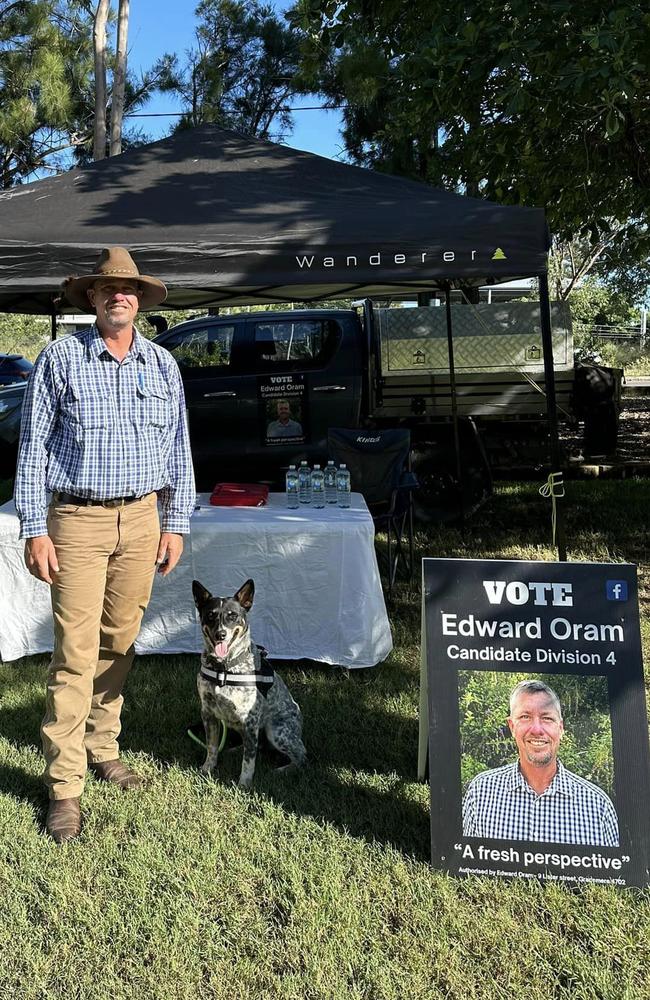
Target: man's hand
{"type": "Point", "coordinates": [170, 549]}
{"type": "Point", "coordinates": [40, 558]}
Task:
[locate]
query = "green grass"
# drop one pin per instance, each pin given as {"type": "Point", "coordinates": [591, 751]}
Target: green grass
{"type": "Point", "coordinates": [314, 886]}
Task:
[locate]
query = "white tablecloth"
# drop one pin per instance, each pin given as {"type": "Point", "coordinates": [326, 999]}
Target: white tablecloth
{"type": "Point", "coordinates": [317, 589]}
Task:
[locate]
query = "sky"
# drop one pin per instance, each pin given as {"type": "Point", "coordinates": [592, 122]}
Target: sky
{"type": "Point", "coordinates": [158, 26]}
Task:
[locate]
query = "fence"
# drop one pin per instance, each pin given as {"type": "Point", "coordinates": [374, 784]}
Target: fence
{"type": "Point", "coordinates": [632, 334]}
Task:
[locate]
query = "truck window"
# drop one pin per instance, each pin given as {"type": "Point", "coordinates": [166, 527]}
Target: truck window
{"type": "Point", "coordinates": [203, 347]}
{"type": "Point", "coordinates": [287, 345]}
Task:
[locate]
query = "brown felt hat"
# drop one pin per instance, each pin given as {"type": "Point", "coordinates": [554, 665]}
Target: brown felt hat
{"type": "Point", "coordinates": [114, 262]}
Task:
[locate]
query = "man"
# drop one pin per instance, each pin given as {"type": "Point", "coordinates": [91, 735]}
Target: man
{"type": "Point", "coordinates": [537, 799]}
{"type": "Point", "coordinates": [284, 426]}
{"type": "Point", "coordinates": [104, 430]}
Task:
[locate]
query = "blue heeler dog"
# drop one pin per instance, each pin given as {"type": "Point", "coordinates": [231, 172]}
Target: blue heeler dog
{"type": "Point", "coordinates": [239, 687]}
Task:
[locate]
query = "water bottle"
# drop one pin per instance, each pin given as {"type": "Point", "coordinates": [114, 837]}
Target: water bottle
{"type": "Point", "coordinates": [317, 487]}
{"type": "Point", "coordinates": [292, 487]}
{"type": "Point", "coordinates": [304, 483]}
{"type": "Point", "coordinates": [343, 486]}
{"type": "Point", "coordinates": [330, 482]}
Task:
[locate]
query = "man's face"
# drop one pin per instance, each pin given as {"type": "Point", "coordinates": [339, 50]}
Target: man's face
{"type": "Point", "coordinates": [283, 413]}
{"type": "Point", "coordinates": [116, 302]}
{"type": "Point", "coordinates": [537, 728]}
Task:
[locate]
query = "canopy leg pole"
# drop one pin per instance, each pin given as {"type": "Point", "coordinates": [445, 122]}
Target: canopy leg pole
{"type": "Point", "coordinates": [454, 403]}
{"type": "Point", "coordinates": [551, 412]}
{"type": "Point", "coordinates": [53, 325]}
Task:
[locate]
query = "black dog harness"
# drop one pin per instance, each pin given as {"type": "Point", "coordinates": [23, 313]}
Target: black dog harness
{"type": "Point", "coordinates": [262, 679]}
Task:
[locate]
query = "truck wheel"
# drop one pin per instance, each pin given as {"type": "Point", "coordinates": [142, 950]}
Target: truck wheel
{"type": "Point", "coordinates": [438, 499]}
{"type": "Point", "coordinates": [601, 430]}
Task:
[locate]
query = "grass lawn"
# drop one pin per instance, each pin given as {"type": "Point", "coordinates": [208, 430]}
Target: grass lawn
{"type": "Point", "coordinates": [314, 886]}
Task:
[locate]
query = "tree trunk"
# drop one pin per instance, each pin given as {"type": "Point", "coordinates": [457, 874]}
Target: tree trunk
{"type": "Point", "coordinates": [119, 79]}
{"type": "Point", "coordinates": [99, 42]}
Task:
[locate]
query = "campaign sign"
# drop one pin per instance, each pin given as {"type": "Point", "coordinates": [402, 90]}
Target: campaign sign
{"type": "Point", "coordinates": [533, 720]}
{"type": "Point", "coordinates": [282, 409]}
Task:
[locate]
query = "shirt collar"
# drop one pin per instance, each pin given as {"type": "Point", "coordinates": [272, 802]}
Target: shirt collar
{"type": "Point", "coordinates": [96, 345]}
{"type": "Point", "coordinates": [560, 784]}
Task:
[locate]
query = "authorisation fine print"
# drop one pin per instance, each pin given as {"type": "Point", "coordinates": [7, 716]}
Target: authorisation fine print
{"type": "Point", "coordinates": [533, 721]}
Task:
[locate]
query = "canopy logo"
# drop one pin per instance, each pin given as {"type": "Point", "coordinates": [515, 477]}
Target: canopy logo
{"type": "Point", "coordinates": [380, 258]}
{"type": "Point", "coordinates": [499, 254]}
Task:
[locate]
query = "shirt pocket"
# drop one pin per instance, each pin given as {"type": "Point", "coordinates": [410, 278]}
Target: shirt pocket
{"type": "Point", "coordinates": [154, 404]}
{"type": "Point", "coordinates": [87, 410]}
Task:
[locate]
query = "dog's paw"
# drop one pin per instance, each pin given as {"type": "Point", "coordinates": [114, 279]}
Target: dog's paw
{"type": "Point", "coordinates": [245, 784]}
{"type": "Point", "coordinates": [207, 771]}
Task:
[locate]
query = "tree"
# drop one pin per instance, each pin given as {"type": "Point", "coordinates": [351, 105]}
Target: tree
{"type": "Point", "coordinates": [101, 18]}
{"type": "Point", "coordinates": [99, 50]}
{"type": "Point", "coordinates": [241, 73]}
{"type": "Point", "coordinates": [537, 102]}
{"type": "Point", "coordinates": [119, 78]}
{"type": "Point", "coordinates": [45, 53]}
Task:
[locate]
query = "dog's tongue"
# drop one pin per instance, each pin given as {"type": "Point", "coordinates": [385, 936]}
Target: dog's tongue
{"type": "Point", "coordinates": [221, 649]}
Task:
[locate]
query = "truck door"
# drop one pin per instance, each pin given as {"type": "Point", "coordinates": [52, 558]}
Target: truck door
{"type": "Point", "coordinates": [208, 353]}
{"type": "Point", "coordinates": [307, 381]}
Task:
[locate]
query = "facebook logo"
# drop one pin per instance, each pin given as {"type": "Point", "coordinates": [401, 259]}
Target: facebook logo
{"type": "Point", "coordinates": [616, 590]}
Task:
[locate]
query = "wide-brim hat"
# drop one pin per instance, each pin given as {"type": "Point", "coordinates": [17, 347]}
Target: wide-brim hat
{"type": "Point", "coordinates": [114, 262]}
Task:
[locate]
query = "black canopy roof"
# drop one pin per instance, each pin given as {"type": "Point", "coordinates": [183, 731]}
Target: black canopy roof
{"type": "Point", "coordinates": [224, 219]}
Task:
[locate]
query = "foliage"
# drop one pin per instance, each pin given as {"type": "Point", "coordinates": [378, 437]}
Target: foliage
{"type": "Point", "coordinates": [241, 73]}
{"type": "Point", "coordinates": [594, 302]}
{"type": "Point", "coordinates": [46, 88]}
{"type": "Point", "coordinates": [45, 67]}
{"type": "Point", "coordinates": [486, 741]}
{"type": "Point", "coordinates": [543, 103]}
{"type": "Point", "coordinates": [26, 335]}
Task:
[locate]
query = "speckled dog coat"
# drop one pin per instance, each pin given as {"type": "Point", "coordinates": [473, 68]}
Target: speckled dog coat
{"type": "Point", "coordinates": [239, 687]}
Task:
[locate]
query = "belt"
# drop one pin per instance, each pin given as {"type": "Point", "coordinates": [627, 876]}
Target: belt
{"type": "Point", "coordinates": [86, 502]}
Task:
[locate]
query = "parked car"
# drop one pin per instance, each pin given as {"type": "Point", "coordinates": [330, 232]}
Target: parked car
{"type": "Point", "coordinates": [11, 404]}
{"type": "Point", "coordinates": [14, 368]}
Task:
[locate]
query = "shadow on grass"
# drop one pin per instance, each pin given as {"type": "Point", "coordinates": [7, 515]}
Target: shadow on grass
{"type": "Point", "coordinates": [17, 782]}
{"type": "Point", "coordinates": [362, 754]}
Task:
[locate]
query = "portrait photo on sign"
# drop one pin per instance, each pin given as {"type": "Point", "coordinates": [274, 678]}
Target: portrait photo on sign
{"type": "Point", "coordinates": [536, 758]}
{"type": "Point", "coordinates": [284, 418]}
{"type": "Point", "coordinates": [282, 415]}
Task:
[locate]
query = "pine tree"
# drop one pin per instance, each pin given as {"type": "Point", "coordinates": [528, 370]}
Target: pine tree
{"type": "Point", "coordinates": [45, 64]}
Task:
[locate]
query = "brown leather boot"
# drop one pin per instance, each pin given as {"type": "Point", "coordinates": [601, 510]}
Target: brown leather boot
{"type": "Point", "coordinates": [63, 820]}
{"type": "Point", "coordinates": [117, 773]}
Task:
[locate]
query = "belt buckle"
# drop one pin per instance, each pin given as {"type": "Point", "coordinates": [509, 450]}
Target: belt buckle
{"type": "Point", "coordinates": [112, 504]}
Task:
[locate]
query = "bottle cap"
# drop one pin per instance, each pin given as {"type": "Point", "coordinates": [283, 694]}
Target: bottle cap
{"type": "Point", "coordinates": [317, 467]}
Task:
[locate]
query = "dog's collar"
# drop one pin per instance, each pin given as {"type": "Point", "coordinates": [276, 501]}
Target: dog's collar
{"type": "Point", "coordinates": [261, 679]}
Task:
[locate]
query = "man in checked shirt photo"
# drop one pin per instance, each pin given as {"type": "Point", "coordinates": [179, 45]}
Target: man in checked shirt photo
{"type": "Point", "coordinates": [104, 431]}
{"type": "Point", "coordinates": [537, 798]}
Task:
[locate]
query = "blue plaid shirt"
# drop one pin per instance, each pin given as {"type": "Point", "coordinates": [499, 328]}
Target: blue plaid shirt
{"type": "Point", "coordinates": [101, 429]}
{"type": "Point", "coordinates": [501, 804]}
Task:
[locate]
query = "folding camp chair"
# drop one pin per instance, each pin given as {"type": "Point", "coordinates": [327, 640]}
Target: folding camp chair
{"type": "Point", "coordinates": [380, 469]}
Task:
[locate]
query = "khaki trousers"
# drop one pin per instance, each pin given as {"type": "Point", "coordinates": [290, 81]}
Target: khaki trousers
{"type": "Point", "coordinates": [106, 567]}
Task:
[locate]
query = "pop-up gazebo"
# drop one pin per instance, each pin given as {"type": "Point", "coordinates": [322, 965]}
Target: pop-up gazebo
{"type": "Point", "coordinates": [224, 219]}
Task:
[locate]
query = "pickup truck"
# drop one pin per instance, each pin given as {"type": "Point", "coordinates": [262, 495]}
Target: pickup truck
{"type": "Point", "coordinates": [263, 388]}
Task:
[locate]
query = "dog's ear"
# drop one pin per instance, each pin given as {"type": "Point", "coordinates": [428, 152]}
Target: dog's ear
{"type": "Point", "coordinates": [245, 595]}
{"type": "Point", "coordinates": [201, 595]}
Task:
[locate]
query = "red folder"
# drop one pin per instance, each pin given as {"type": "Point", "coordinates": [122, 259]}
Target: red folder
{"type": "Point", "coordinates": [239, 495]}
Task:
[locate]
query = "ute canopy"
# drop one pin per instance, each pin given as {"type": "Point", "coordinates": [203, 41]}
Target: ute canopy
{"type": "Point", "coordinates": [224, 219]}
